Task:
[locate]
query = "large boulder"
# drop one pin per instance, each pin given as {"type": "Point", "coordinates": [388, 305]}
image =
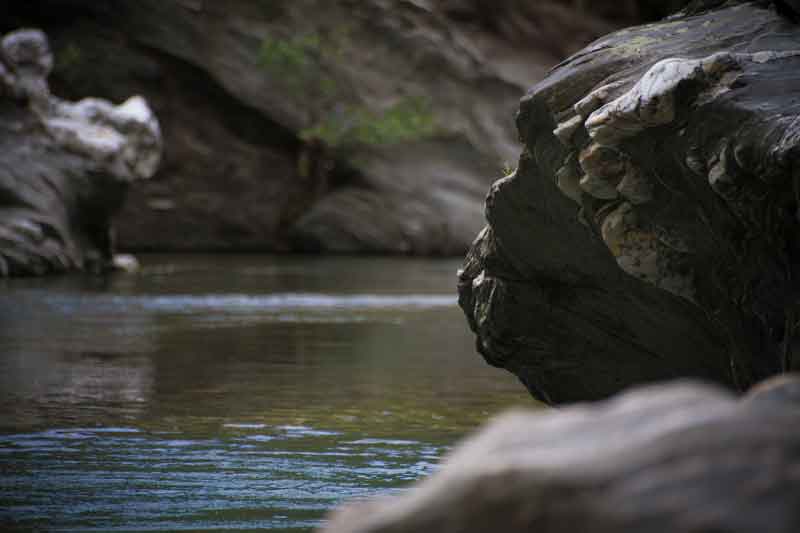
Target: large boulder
{"type": "Point", "coordinates": [346, 126]}
{"type": "Point", "coordinates": [64, 166]}
{"type": "Point", "coordinates": [651, 228]}
{"type": "Point", "coordinates": [675, 458]}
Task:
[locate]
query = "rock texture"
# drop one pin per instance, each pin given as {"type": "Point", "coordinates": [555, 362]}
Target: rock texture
{"type": "Point", "coordinates": [347, 125]}
{"type": "Point", "coordinates": [64, 166]}
{"type": "Point", "coordinates": [675, 458]}
{"type": "Point", "coordinates": [651, 228]}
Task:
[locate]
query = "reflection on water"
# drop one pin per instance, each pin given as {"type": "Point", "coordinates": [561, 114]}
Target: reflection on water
{"type": "Point", "coordinates": [231, 393]}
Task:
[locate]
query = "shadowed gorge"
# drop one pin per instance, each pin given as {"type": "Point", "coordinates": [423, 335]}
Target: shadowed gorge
{"type": "Point", "coordinates": [301, 180]}
{"type": "Point", "coordinates": [342, 126]}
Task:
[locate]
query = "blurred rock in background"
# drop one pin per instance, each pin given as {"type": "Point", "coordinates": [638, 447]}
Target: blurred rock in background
{"type": "Point", "coordinates": [64, 166]}
{"type": "Point", "coordinates": [346, 126]}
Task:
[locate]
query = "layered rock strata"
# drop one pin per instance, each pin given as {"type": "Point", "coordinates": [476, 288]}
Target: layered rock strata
{"type": "Point", "coordinates": [651, 227]}
{"type": "Point", "coordinates": [64, 166]}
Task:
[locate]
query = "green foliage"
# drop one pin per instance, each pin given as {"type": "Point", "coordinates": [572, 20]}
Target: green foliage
{"type": "Point", "coordinates": [298, 63]}
{"type": "Point", "coordinates": [411, 118]}
{"type": "Point", "coordinates": [297, 53]}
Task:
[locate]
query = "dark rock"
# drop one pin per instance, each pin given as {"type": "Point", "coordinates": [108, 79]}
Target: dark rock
{"type": "Point", "coordinates": [64, 166]}
{"type": "Point", "coordinates": [651, 228]}
{"type": "Point", "coordinates": [346, 126]}
{"type": "Point", "coordinates": [676, 458]}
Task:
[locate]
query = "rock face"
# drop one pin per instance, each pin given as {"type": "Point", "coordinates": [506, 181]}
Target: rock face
{"type": "Point", "coordinates": [676, 458]}
{"type": "Point", "coordinates": [651, 228]}
{"type": "Point", "coordinates": [64, 166]}
{"type": "Point", "coordinates": [347, 125]}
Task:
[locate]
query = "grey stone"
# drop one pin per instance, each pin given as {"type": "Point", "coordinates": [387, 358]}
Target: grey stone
{"type": "Point", "coordinates": [676, 458]}
{"type": "Point", "coordinates": [681, 257]}
{"type": "Point", "coordinates": [64, 166]}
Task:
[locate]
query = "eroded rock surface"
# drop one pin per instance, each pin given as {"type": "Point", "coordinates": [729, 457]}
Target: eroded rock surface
{"type": "Point", "coordinates": [341, 125]}
{"type": "Point", "coordinates": [64, 166]}
{"type": "Point", "coordinates": [674, 458]}
{"type": "Point", "coordinates": [651, 228]}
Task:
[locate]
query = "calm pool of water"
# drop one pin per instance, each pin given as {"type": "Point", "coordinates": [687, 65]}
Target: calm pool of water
{"type": "Point", "coordinates": [231, 393]}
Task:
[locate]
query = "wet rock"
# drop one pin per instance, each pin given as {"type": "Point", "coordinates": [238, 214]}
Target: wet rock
{"type": "Point", "coordinates": [677, 253]}
{"type": "Point", "coordinates": [64, 166]}
{"type": "Point", "coordinates": [678, 458]}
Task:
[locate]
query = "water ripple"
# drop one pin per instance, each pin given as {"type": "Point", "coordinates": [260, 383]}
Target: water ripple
{"type": "Point", "coordinates": [254, 475]}
{"type": "Point", "coordinates": [182, 303]}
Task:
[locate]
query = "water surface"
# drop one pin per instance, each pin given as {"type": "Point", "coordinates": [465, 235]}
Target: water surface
{"type": "Point", "coordinates": [231, 393]}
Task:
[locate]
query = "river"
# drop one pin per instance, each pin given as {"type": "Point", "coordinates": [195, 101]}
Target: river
{"type": "Point", "coordinates": [234, 393]}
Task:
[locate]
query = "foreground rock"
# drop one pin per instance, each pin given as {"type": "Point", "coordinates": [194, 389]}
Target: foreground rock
{"type": "Point", "coordinates": [677, 458]}
{"type": "Point", "coordinates": [346, 126]}
{"type": "Point", "coordinates": [64, 167]}
{"type": "Point", "coordinates": [651, 228]}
